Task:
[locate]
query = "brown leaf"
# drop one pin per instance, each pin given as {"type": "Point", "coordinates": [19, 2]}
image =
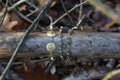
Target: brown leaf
{"type": "Point", "coordinates": [7, 25]}
{"type": "Point", "coordinates": [35, 71]}
{"type": "Point", "coordinates": [22, 8]}
{"type": "Point", "coordinates": [12, 22]}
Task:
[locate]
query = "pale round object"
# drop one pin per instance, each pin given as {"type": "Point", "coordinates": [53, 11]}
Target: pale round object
{"type": "Point", "coordinates": [51, 33]}
{"type": "Point", "coordinates": [51, 47]}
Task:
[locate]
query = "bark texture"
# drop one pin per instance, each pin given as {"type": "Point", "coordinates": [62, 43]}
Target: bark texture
{"type": "Point", "coordinates": [101, 45]}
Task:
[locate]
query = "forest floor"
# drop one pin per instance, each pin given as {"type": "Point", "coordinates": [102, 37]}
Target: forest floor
{"type": "Point", "coordinates": [84, 18]}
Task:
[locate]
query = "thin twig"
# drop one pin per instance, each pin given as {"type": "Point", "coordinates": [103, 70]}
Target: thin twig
{"type": "Point", "coordinates": [80, 10]}
{"type": "Point", "coordinates": [76, 6]}
{"type": "Point", "coordinates": [15, 5]}
{"type": "Point", "coordinates": [111, 74]}
{"type": "Point", "coordinates": [30, 28]}
{"type": "Point", "coordinates": [49, 66]}
{"type": "Point", "coordinates": [19, 63]}
{"type": "Point", "coordinates": [80, 20]}
{"type": "Point", "coordinates": [70, 18]}
{"type": "Point", "coordinates": [26, 17]}
{"type": "Point", "coordinates": [5, 12]}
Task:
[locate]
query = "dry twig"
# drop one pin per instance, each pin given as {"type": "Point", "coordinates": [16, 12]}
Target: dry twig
{"type": "Point", "coordinates": [111, 74]}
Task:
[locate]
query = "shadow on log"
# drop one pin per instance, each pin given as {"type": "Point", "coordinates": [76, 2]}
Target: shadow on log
{"type": "Point", "coordinates": [93, 45]}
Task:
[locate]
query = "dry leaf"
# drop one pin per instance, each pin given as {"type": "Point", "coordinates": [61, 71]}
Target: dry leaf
{"type": "Point", "coordinates": [35, 71]}
{"type": "Point", "coordinates": [12, 22]}
{"type": "Point", "coordinates": [22, 8]}
{"type": "Point", "coordinates": [53, 70]}
{"type": "Point", "coordinates": [7, 25]}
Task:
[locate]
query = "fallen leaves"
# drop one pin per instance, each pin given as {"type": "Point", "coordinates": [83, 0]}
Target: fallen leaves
{"type": "Point", "coordinates": [12, 22]}
{"type": "Point", "coordinates": [35, 71]}
{"type": "Point", "coordinates": [7, 24]}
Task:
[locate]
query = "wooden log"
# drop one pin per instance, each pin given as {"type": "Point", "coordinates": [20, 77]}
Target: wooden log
{"type": "Point", "coordinates": [90, 44]}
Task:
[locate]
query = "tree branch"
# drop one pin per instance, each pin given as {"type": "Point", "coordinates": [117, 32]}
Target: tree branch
{"type": "Point", "coordinates": [93, 45]}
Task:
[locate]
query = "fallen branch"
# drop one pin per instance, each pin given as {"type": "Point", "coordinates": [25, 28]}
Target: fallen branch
{"type": "Point", "coordinates": [93, 45]}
